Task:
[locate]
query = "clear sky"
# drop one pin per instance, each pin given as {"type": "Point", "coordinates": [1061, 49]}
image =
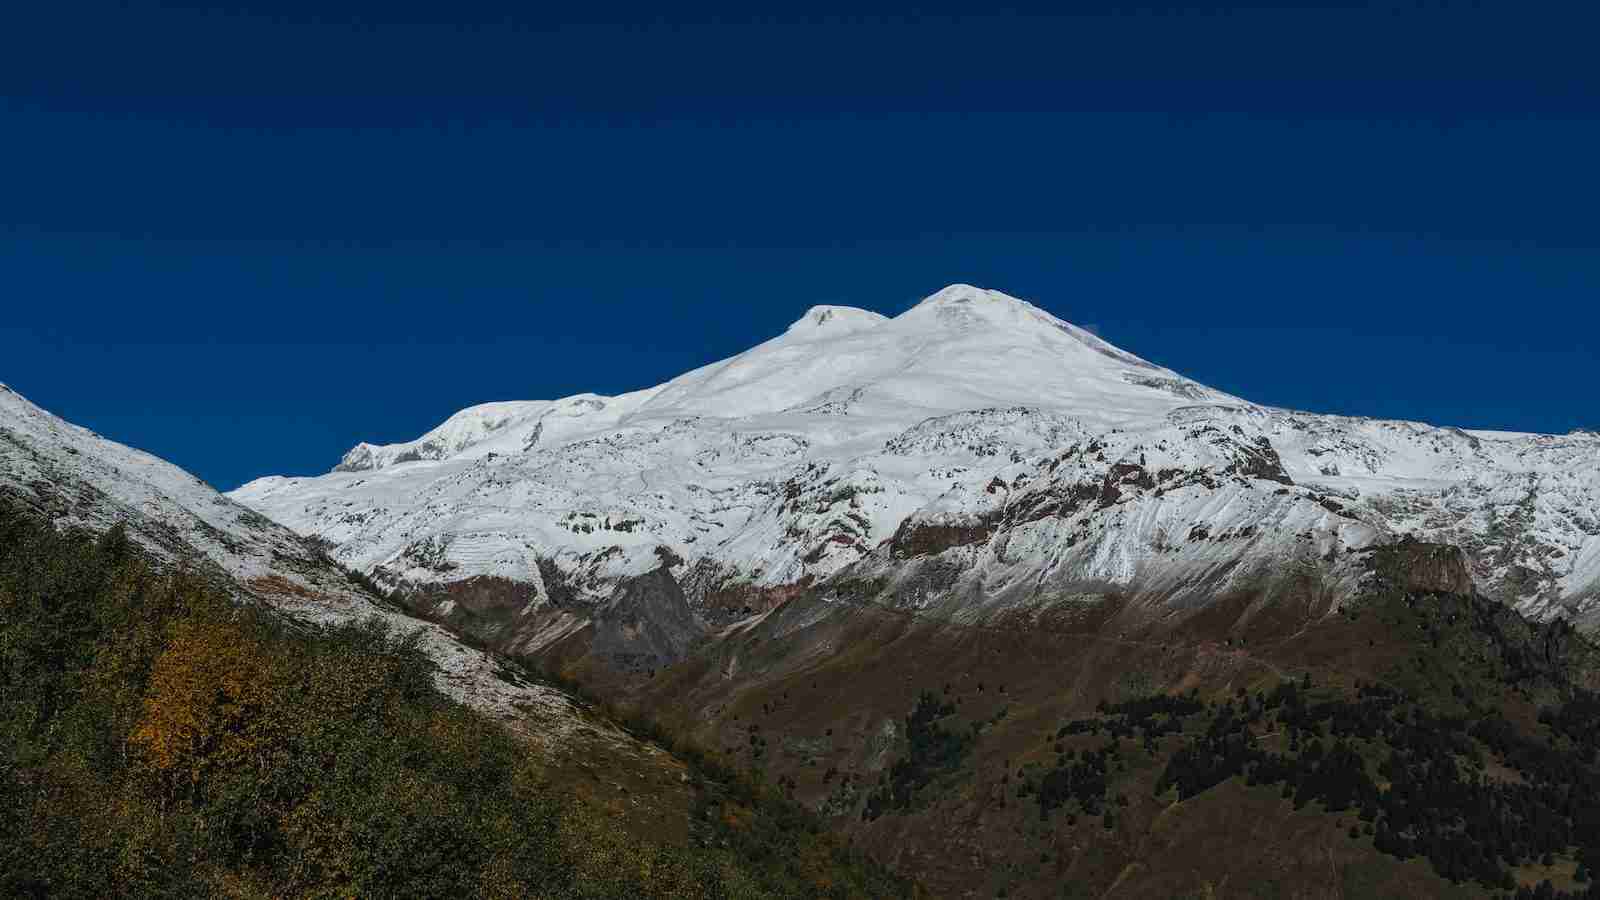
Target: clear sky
{"type": "Point", "coordinates": [246, 236]}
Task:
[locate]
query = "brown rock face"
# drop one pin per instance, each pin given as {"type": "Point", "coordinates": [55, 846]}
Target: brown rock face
{"type": "Point", "coordinates": [1413, 565]}
{"type": "Point", "coordinates": [913, 539]}
{"type": "Point", "coordinates": [734, 600]}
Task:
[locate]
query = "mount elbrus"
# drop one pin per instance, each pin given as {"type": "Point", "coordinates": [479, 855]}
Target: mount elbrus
{"type": "Point", "coordinates": [970, 456]}
{"type": "Point", "coordinates": [1012, 610]}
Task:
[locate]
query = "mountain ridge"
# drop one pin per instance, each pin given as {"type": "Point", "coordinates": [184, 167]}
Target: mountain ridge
{"type": "Point", "coordinates": [75, 478]}
{"type": "Point", "coordinates": [808, 454]}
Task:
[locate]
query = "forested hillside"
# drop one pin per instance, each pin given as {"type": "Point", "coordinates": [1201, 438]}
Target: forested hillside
{"type": "Point", "coordinates": [158, 739]}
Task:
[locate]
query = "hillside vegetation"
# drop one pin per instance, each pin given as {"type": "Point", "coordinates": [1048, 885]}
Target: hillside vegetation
{"type": "Point", "coordinates": [157, 739]}
{"type": "Point", "coordinates": [1416, 743]}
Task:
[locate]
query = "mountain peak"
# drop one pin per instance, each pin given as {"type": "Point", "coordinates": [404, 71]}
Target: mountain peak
{"type": "Point", "coordinates": [965, 293]}
{"type": "Point", "coordinates": [983, 301]}
{"type": "Point", "coordinates": [961, 348]}
{"type": "Point", "coordinates": [963, 306]}
{"type": "Point", "coordinates": [833, 320]}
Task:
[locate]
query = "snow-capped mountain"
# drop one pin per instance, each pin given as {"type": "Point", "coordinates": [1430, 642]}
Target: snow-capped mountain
{"type": "Point", "coordinates": [74, 477]}
{"type": "Point", "coordinates": [974, 452]}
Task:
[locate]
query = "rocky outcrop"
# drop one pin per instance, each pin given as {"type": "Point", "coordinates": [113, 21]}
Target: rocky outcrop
{"type": "Point", "coordinates": [1413, 565]}
{"type": "Point", "coordinates": [916, 538]}
{"type": "Point", "coordinates": [645, 624]}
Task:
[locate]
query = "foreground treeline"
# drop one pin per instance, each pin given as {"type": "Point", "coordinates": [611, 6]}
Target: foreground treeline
{"type": "Point", "coordinates": [157, 739]}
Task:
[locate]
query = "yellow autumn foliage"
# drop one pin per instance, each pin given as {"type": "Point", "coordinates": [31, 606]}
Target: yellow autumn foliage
{"type": "Point", "coordinates": [209, 701]}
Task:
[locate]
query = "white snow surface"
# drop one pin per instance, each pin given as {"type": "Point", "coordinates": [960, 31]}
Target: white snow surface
{"type": "Point", "coordinates": [805, 455]}
{"type": "Point", "coordinates": [80, 479]}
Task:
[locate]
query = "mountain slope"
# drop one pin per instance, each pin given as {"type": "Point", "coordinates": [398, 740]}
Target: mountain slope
{"type": "Point", "coordinates": [1019, 456]}
{"type": "Point", "coordinates": [168, 731]}
{"type": "Point", "coordinates": [72, 477]}
{"type": "Point", "coordinates": [1087, 749]}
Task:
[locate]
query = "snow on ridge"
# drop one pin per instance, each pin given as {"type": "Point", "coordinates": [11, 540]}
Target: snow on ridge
{"type": "Point", "coordinates": [451, 436]}
{"type": "Point", "coordinates": [504, 427]}
{"type": "Point", "coordinates": [803, 455]}
{"type": "Point", "coordinates": [80, 479]}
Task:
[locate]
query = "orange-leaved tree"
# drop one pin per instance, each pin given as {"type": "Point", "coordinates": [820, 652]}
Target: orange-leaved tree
{"type": "Point", "coordinates": [210, 704]}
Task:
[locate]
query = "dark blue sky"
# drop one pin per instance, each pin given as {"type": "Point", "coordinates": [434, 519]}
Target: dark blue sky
{"type": "Point", "coordinates": [246, 238]}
